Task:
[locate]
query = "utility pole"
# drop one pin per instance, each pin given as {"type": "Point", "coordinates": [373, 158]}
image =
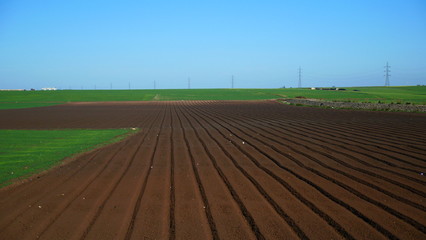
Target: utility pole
{"type": "Point", "coordinates": [387, 75]}
{"type": "Point", "coordinates": [155, 87]}
{"type": "Point", "coordinates": [189, 83]}
{"type": "Point", "coordinates": [232, 81]}
{"type": "Point", "coordinates": [300, 78]}
{"type": "Point", "coordinates": [129, 85]}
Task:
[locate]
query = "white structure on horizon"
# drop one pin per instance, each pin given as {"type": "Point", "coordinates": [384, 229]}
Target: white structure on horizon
{"type": "Point", "coordinates": [49, 89]}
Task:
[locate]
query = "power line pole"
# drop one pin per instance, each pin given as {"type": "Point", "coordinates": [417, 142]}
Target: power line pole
{"type": "Point", "coordinates": [189, 83]}
{"type": "Point", "coordinates": [129, 85]}
{"type": "Point", "coordinates": [300, 78]}
{"type": "Point", "coordinates": [232, 81]}
{"type": "Point", "coordinates": [387, 75]}
{"type": "Point", "coordinates": [155, 87]}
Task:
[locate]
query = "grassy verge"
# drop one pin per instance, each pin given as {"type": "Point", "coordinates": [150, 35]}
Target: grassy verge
{"type": "Point", "coordinates": [405, 94]}
{"type": "Point", "coordinates": [25, 152]}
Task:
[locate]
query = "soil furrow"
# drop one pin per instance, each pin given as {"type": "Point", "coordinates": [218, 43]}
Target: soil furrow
{"type": "Point", "coordinates": [350, 156]}
{"type": "Point", "coordinates": [142, 187]}
{"type": "Point", "coordinates": [279, 210]}
{"type": "Point", "coordinates": [95, 198]}
{"type": "Point", "coordinates": [409, 220]}
{"type": "Point", "coordinates": [230, 223]}
{"type": "Point", "coordinates": [249, 218]}
{"type": "Point", "coordinates": [362, 144]}
{"type": "Point", "coordinates": [114, 212]}
{"type": "Point", "coordinates": [225, 170]}
{"type": "Point", "coordinates": [374, 224]}
{"type": "Point", "coordinates": [191, 204]}
{"type": "Point", "coordinates": [172, 217]}
{"type": "Point", "coordinates": [308, 156]}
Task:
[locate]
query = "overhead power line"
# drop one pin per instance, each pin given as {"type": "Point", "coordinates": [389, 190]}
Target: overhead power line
{"type": "Point", "coordinates": [387, 75]}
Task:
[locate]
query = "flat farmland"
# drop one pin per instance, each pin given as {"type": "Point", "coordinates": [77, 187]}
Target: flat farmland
{"type": "Point", "coordinates": [225, 170]}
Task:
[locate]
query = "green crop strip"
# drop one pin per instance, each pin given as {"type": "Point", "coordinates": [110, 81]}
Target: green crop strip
{"type": "Point", "coordinates": [25, 152]}
{"type": "Point", "coordinates": [17, 105]}
{"type": "Point", "coordinates": [403, 95]}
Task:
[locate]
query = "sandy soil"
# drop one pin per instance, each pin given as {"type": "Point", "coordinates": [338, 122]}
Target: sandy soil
{"type": "Point", "coordinates": [225, 170]}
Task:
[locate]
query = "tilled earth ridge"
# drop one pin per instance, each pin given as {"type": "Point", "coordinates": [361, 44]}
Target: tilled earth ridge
{"type": "Point", "coordinates": [225, 170]}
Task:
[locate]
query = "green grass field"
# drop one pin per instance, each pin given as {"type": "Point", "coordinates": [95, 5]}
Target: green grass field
{"type": "Point", "coordinates": [405, 94]}
{"type": "Point", "coordinates": [25, 152]}
{"type": "Point", "coordinates": [17, 105]}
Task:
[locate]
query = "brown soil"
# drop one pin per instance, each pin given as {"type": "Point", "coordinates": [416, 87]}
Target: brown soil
{"type": "Point", "coordinates": [225, 170]}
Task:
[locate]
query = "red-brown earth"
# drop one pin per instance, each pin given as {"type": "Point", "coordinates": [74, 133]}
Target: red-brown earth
{"type": "Point", "coordinates": [225, 170]}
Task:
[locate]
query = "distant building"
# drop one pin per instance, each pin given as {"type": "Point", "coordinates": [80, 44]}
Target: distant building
{"type": "Point", "coordinates": [49, 89]}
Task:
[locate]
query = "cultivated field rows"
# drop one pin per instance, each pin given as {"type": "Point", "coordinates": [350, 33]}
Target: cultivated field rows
{"type": "Point", "coordinates": [226, 170]}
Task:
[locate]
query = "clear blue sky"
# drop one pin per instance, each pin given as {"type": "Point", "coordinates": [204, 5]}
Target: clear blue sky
{"type": "Point", "coordinates": [80, 44]}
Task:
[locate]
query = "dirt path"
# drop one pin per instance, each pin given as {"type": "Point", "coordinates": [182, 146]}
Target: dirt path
{"type": "Point", "coordinates": [226, 170]}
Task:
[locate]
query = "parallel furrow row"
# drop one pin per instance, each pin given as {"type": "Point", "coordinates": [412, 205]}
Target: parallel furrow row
{"type": "Point", "coordinates": [279, 210]}
{"type": "Point", "coordinates": [414, 223]}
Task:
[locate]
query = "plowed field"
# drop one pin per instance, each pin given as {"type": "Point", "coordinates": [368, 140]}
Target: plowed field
{"type": "Point", "coordinates": [225, 170]}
